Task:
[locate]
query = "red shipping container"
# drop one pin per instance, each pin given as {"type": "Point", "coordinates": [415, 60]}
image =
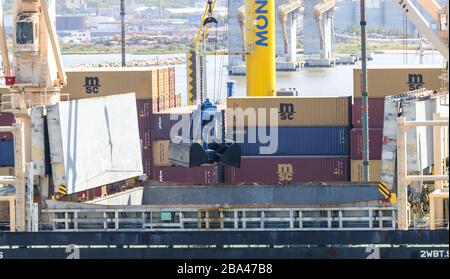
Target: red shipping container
{"type": "Point", "coordinates": [144, 111]}
{"type": "Point", "coordinates": [148, 168]}
{"type": "Point", "coordinates": [376, 113]}
{"type": "Point", "coordinates": [204, 175]}
{"type": "Point", "coordinates": [6, 119]}
{"type": "Point", "coordinates": [375, 144]}
{"type": "Point", "coordinates": [271, 170]}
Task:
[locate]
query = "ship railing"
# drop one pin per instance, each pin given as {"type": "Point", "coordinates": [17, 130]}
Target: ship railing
{"type": "Point", "coordinates": [148, 218]}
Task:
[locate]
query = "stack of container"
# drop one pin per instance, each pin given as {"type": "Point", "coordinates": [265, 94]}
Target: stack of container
{"type": "Point", "coordinates": [376, 119]}
{"type": "Point", "coordinates": [162, 170]}
{"type": "Point", "coordinates": [166, 96]}
{"type": "Point", "coordinates": [401, 78]}
{"type": "Point", "coordinates": [313, 140]}
{"type": "Point", "coordinates": [152, 87]}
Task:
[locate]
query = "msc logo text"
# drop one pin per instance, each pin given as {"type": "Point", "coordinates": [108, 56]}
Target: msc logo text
{"type": "Point", "coordinates": [287, 111]}
{"type": "Point", "coordinates": [285, 172]}
{"type": "Point", "coordinates": [415, 81]}
{"type": "Point", "coordinates": [91, 85]}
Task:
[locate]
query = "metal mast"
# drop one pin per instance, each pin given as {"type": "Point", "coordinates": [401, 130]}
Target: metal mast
{"type": "Point", "coordinates": [122, 22]}
{"type": "Point", "coordinates": [365, 96]}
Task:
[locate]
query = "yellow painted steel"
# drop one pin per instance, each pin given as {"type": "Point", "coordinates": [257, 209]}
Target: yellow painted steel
{"type": "Point", "coordinates": [260, 32]}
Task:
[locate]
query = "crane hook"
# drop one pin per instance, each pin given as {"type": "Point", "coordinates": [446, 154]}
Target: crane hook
{"type": "Point", "coordinates": [210, 18]}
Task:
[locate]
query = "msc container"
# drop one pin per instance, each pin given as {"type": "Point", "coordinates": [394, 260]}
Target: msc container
{"type": "Point", "coordinates": [161, 153]}
{"type": "Point", "coordinates": [296, 141]}
{"type": "Point", "coordinates": [383, 81]}
{"type": "Point", "coordinates": [376, 113]}
{"type": "Point", "coordinates": [375, 144]}
{"type": "Point", "coordinates": [288, 170]}
{"type": "Point", "coordinates": [95, 82]}
{"type": "Point", "coordinates": [374, 170]}
{"type": "Point", "coordinates": [203, 175]}
{"type": "Point", "coordinates": [6, 119]}
{"type": "Point", "coordinates": [294, 111]}
{"type": "Point", "coordinates": [6, 153]}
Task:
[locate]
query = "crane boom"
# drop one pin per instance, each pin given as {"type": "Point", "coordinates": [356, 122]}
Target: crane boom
{"type": "Point", "coordinates": [413, 14]}
{"type": "Point", "coordinates": [3, 44]}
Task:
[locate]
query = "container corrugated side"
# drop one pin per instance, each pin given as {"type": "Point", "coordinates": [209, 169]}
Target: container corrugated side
{"type": "Point", "coordinates": [161, 153]}
{"type": "Point", "coordinates": [144, 110]}
{"type": "Point", "coordinates": [147, 157]}
{"type": "Point", "coordinates": [6, 171]}
{"type": "Point", "coordinates": [6, 153]}
{"type": "Point", "coordinates": [203, 175]}
{"type": "Point", "coordinates": [162, 124]}
{"type": "Point", "coordinates": [288, 170]}
{"type": "Point", "coordinates": [296, 141]}
{"type": "Point", "coordinates": [383, 81]}
{"type": "Point", "coordinates": [376, 113]}
{"type": "Point", "coordinates": [6, 119]}
{"type": "Point", "coordinates": [357, 170]}
{"type": "Point", "coordinates": [375, 144]}
{"type": "Point", "coordinates": [96, 82]}
{"type": "Point", "coordinates": [294, 111]}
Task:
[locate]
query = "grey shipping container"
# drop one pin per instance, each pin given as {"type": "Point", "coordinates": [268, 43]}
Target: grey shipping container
{"type": "Point", "coordinates": [295, 141]}
{"type": "Point", "coordinates": [287, 170]}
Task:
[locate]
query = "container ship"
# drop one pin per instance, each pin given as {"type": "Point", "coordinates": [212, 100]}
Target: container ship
{"type": "Point", "coordinates": [108, 157]}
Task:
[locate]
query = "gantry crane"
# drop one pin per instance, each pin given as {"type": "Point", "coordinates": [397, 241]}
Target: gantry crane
{"type": "Point", "coordinates": [438, 38]}
{"type": "Point", "coordinates": [35, 79]}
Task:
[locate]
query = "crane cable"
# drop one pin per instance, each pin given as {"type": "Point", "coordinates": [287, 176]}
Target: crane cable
{"type": "Point", "coordinates": [225, 42]}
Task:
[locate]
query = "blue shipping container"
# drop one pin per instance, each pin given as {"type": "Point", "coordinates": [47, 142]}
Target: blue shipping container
{"type": "Point", "coordinates": [6, 153]}
{"type": "Point", "coordinates": [298, 141]}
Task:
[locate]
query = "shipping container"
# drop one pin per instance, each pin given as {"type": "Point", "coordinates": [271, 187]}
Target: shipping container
{"type": "Point", "coordinates": [162, 124]}
{"type": "Point", "coordinates": [95, 82]}
{"type": "Point", "coordinates": [294, 141]}
{"type": "Point", "coordinates": [383, 81]}
{"type": "Point", "coordinates": [293, 111]}
{"type": "Point", "coordinates": [144, 110]}
{"type": "Point", "coordinates": [6, 119]}
{"type": "Point", "coordinates": [376, 113]}
{"type": "Point", "coordinates": [203, 175]}
{"type": "Point", "coordinates": [161, 153]}
{"type": "Point", "coordinates": [6, 171]}
{"type": "Point", "coordinates": [357, 174]}
{"type": "Point", "coordinates": [6, 153]}
{"type": "Point", "coordinates": [375, 144]}
{"type": "Point", "coordinates": [288, 170]}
